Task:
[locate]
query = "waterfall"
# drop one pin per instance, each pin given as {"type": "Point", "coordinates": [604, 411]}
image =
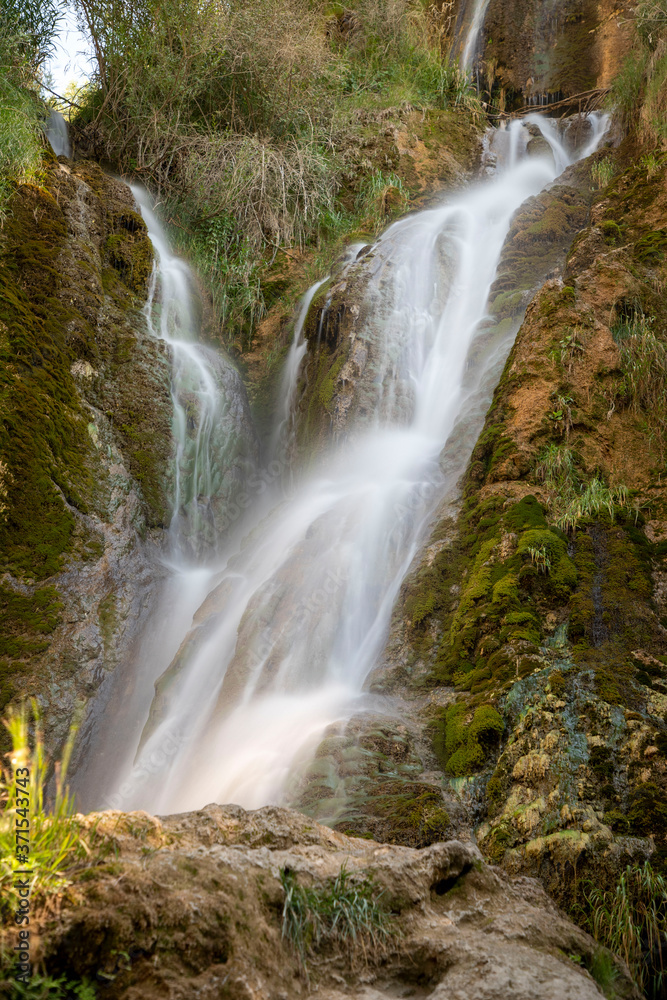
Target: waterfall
{"type": "Point", "coordinates": [215, 457]}
{"type": "Point", "coordinates": [214, 446]}
{"type": "Point", "coordinates": [469, 50]}
{"type": "Point", "coordinates": [297, 612]}
{"type": "Point", "coordinates": [55, 129]}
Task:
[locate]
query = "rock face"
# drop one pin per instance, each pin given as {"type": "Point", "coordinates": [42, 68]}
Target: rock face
{"type": "Point", "coordinates": [535, 52]}
{"type": "Point", "coordinates": [192, 906]}
{"type": "Point", "coordinates": [542, 640]}
{"type": "Point", "coordinates": [86, 446]}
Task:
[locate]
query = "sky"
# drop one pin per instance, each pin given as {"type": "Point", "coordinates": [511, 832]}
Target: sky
{"type": "Point", "coordinates": [71, 59]}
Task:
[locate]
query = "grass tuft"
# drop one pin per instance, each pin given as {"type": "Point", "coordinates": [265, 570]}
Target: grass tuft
{"type": "Point", "coordinates": [570, 500]}
{"type": "Point", "coordinates": [345, 914]}
{"type": "Point", "coordinates": [631, 920]}
{"type": "Point", "coordinates": [57, 848]}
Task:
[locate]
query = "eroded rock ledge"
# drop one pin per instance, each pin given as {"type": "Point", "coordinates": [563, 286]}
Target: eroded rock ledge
{"type": "Point", "coordinates": [191, 906]}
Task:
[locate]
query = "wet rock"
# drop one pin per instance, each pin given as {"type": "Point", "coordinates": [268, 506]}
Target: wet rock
{"type": "Point", "coordinates": [194, 901]}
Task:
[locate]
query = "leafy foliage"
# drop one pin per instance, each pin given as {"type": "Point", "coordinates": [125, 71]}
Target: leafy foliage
{"type": "Point", "coordinates": [27, 29]}
{"type": "Point", "coordinates": [26, 33]}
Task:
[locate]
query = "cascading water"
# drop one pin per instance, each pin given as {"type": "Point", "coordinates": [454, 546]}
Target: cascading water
{"type": "Point", "coordinates": [299, 612]}
{"type": "Point", "coordinates": [469, 49]}
{"type": "Point", "coordinates": [213, 455]}
{"type": "Point", "coordinates": [55, 129]}
{"type": "Point", "coordinates": [216, 454]}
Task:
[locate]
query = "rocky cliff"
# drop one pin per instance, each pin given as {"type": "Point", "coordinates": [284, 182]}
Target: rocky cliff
{"type": "Point", "coordinates": [86, 425]}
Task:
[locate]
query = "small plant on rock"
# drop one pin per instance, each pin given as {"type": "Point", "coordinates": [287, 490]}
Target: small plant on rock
{"type": "Point", "coordinates": [570, 500]}
{"type": "Point", "coordinates": [345, 913]}
{"type": "Point", "coordinates": [631, 920]}
{"type": "Point", "coordinates": [56, 847]}
{"type": "Point", "coordinates": [602, 173]}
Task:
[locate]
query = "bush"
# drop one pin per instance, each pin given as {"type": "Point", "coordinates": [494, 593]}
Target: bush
{"type": "Point", "coordinates": [234, 114]}
{"type": "Point", "coordinates": [26, 32]}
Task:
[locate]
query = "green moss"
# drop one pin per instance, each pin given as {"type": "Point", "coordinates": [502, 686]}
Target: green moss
{"type": "Point", "coordinates": [128, 250]}
{"type": "Point", "coordinates": [611, 232]}
{"type": "Point", "coordinates": [650, 248]}
{"type": "Point", "coordinates": [327, 384]}
{"type": "Point", "coordinates": [470, 738]}
{"type": "Point", "coordinates": [647, 810]}
{"type": "Point", "coordinates": [506, 591]}
{"type": "Point", "coordinates": [528, 513]}
{"type": "Point", "coordinates": [108, 618]}
{"type": "Point", "coordinates": [420, 606]}
{"type": "Point", "coordinates": [26, 621]}
{"type": "Point", "coordinates": [557, 683]}
{"type": "Point", "coordinates": [44, 441]}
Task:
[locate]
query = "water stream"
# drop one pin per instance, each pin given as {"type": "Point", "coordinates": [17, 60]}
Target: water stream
{"type": "Point", "coordinates": [469, 49]}
{"type": "Point", "coordinates": [297, 610]}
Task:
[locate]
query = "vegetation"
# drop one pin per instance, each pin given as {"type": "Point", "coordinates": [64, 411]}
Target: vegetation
{"type": "Point", "coordinates": [570, 500]}
{"type": "Point", "coordinates": [602, 172]}
{"type": "Point", "coordinates": [345, 914]}
{"type": "Point", "coordinates": [49, 988]}
{"type": "Point", "coordinates": [641, 84]}
{"type": "Point", "coordinates": [57, 848]}
{"type": "Point", "coordinates": [631, 920]}
{"type": "Point", "coordinates": [26, 31]}
{"type": "Point", "coordinates": [644, 364]}
{"type": "Point", "coordinates": [238, 116]}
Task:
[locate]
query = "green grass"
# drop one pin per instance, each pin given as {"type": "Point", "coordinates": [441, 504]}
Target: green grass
{"type": "Point", "coordinates": [570, 500]}
{"type": "Point", "coordinates": [643, 385]}
{"type": "Point", "coordinates": [631, 920]}
{"type": "Point", "coordinates": [57, 847]}
{"type": "Point", "coordinates": [626, 89]}
{"type": "Point", "coordinates": [20, 142]}
{"type": "Point", "coordinates": [47, 988]}
{"type": "Point", "coordinates": [345, 914]}
{"type": "Point", "coordinates": [602, 173]}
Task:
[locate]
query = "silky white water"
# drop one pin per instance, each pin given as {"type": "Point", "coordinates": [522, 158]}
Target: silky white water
{"type": "Point", "coordinates": [298, 612]}
{"type": "Point", "coordinates": [207, 417]}
{"type": "Point", "coordinates": [55, 129]}
{"type": "Point", "coordinates": [469, 49]}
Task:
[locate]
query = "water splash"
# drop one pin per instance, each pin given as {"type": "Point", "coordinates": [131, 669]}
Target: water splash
{"type": "Point", "coordinates": [283, 643]}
